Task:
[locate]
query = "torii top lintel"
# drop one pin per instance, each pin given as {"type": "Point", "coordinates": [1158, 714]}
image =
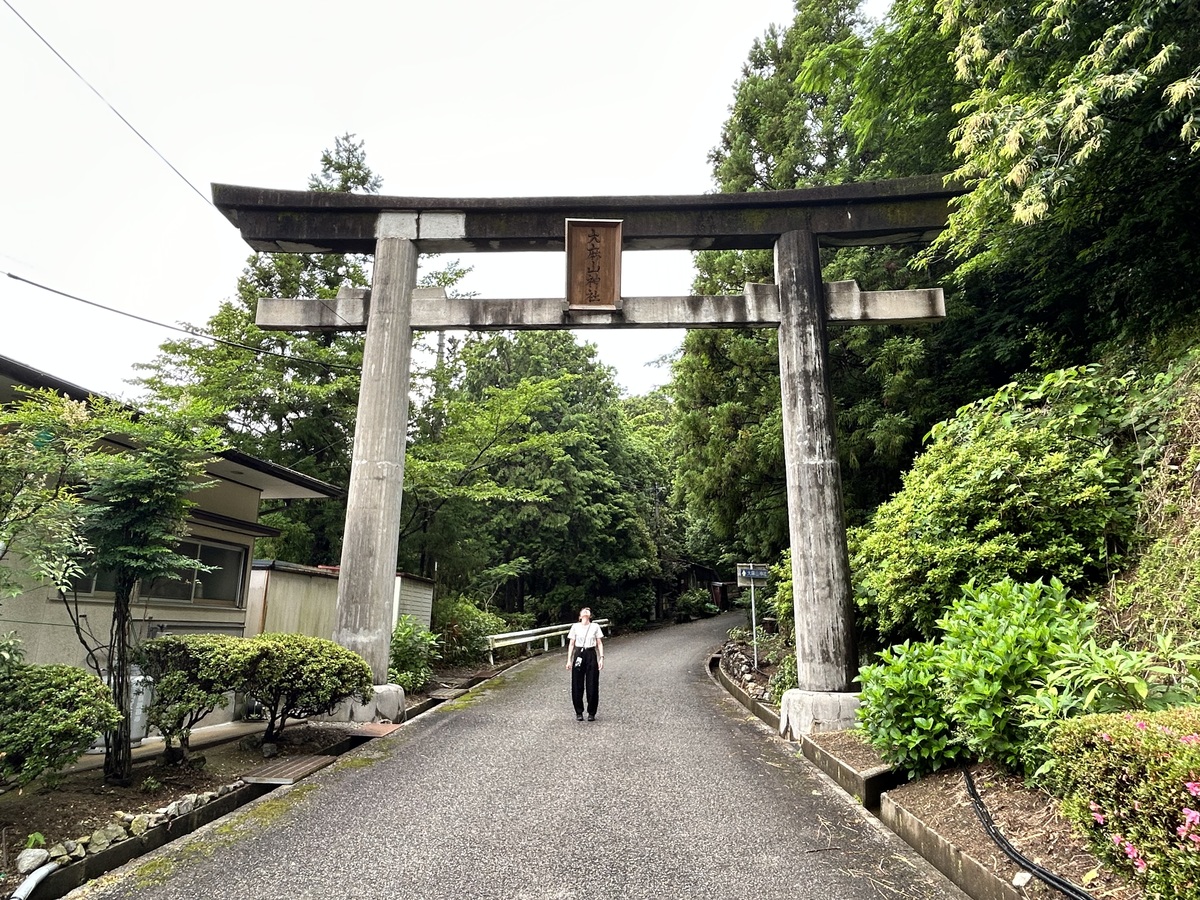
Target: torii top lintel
{"type": "Point", "coordinates": [902, 210]}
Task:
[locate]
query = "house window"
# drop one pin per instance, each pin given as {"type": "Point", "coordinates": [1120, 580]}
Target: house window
{"type": "Point", "coordinates": [222, 586]}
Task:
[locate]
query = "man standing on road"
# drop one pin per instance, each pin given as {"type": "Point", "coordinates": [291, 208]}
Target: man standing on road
{"type": "Point", "coordinates": [585, 659]}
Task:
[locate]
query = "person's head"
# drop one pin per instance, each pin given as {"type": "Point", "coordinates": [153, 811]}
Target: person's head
{"type": "Point", "coordinates": [585, 615]}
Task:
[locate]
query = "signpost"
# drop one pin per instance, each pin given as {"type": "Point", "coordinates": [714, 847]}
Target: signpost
{"type": "Point", "coordinates": [753, 575]}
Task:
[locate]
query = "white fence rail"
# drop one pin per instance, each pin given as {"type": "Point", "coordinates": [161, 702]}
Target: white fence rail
{"type": "Point", "coordinates": [530, 637]}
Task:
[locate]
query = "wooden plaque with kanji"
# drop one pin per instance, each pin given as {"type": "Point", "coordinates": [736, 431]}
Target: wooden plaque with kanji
{"type": "Point", "coordinates": [594, 263]}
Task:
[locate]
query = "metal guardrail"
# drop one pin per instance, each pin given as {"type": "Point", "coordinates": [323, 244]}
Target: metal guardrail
{"type": "Point", "coordinates": [531, 636]}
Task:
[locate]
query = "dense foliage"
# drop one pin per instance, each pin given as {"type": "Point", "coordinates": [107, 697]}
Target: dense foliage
{"type": "Point", "coordinates": [462, 629]}
{"type": "Point", "coordinates": [46, 440]}
{"type": "Point", "coordinates": [1035, 481]}
{"type": "Point", "coordinates": [294, 675]}
{"type": "Point", "coordinates": [572, 521]}
{"type": "Point", "coordinates": [49, 715]}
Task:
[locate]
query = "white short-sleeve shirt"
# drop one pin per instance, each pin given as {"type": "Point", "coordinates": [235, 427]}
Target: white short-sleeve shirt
{"type": "Point", "coordinates": [585, 635]}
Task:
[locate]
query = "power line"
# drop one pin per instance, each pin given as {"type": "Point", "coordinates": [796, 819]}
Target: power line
{"type": "Point", "coordinates": [143, 138]}
{"type": "Point", "coordinates": [193, 333]}
{"type": "Point", "coordinates": [117, 113]}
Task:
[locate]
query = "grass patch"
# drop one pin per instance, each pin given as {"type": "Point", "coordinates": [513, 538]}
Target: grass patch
{"type": "Point", "coordinates": [154, 873]}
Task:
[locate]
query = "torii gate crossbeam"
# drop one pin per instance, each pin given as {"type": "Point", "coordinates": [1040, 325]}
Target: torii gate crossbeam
{"type": "Point", "coordinates": [794, 223]}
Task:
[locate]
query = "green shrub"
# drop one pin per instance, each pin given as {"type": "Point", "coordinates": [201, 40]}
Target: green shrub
{"type": "Point", "coordinates": [1094, 679]}
{"type": "Point", "coordinates": [11, 653]}
{"type": "Point", "coordinates": [781, 602]}
{"type": "Point", "coordinates": [48, 716]}
{"type": "Point", "coordinates": [902, 712]}
{"type": "Point", "coordinates": [696, 603]}
{"type": "Point", "coordinates": [997, 643]}
{"type": "Point", "coordinates": [463, 628]}
{"type": "Point", "coordinates": [414, 648]}
{"type": "Point", "coordinates": [928, 705]}
{"type": "Point", "coordinates": [786, 678]}
{"type": "Point", "coordinates": [1132, 783]}
{"type": "Point", "coordinates": [294, 675]}
{"type": "Point", "coordinates": [1028, 483]}
{"type": "Point", "coordinates": [193, 675]}
{"type": "Point", "coordinates": [517, 621]}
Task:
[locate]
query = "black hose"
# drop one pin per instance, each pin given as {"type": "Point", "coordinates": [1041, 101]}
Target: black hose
{"type": "Point", "coordinates": [1072, 890]}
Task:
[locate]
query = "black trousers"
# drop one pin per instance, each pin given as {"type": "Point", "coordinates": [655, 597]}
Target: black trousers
{"type": "Point", "coordinates": [586, 676]}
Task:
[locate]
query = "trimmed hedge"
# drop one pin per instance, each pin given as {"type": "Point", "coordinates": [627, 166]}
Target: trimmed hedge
{"type": "Point", "coordinates": [49, 715]}
{"type": "Point", "coordinates": [193, 675]}
{"type": "Point", "coordinates": [294, 675]}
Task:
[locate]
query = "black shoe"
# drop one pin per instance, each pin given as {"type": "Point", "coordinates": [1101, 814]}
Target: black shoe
{"type": "Point", "coordinates": [578, 717]}
{"type": "Point", "coordinates": [590, 718]}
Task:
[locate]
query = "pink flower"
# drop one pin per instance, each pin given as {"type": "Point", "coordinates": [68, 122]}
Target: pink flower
{"type": "Point", "coordinates": [1190, 739]}
{"type": "Point", "coordinates": [1117, 840]}
{"type": "Point", "coordinates": [1141, 725]}
{"type": "Point", "coordinates": [1191, 817]}
{"type": "Point", "coordinates": [1193, 788]}
{"type": "Point", "coordinates": [1140, 865]}
{"type": "Point", "coordinates": [1097, 812]}
{"type": "Point", "coordinates": [1106, 737]}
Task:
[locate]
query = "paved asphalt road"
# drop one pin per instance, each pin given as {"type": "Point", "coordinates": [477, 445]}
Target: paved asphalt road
{"type": "Point", "coordinates": [674, 792]}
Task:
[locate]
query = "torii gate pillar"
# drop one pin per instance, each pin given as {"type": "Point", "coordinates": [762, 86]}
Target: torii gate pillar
{"type": "Point", "coordinates": [825, 654]}
{"type": "Point", "coordinates": [372, 536]}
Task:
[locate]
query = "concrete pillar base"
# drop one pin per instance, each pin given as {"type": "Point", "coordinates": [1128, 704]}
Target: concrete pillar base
{"type": "Point", "coordinates": [387, 703]}
{"type": "Point", "coordinates": [803, 712]}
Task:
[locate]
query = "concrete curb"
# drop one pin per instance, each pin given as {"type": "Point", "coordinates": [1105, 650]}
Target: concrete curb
{"type": "Point", "coordinates": [764, 712]}
{"type": "Point", "coordinates": [869, 789]}
{"type": "Point", "coordinates": [94, 865]}
{"type": "Point", "coordinates": [866, 787]}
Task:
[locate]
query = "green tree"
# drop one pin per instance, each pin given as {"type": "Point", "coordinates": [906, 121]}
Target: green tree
{"type": "Point", "coordinates": [726, 383]}
{"type": "Point", "coordinates": [587, 540]}
{"type": "Point", "coordinates": [139, 492]}
{"type": "Point", "coordinates": [1078, 137]}
{"type": "Point", "coordinates": [45, 441]}
{"type": "Point", "coordinates": [283, 396]}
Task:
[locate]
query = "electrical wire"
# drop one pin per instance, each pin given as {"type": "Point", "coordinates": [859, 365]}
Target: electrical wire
{"type": "Point", "coordinates": [297, 360]}
{"type": "Point", "coordinates": [129, 124]}
{"type": "Point", "coordinates": [115, 111]}
{"type": "Point", "coordinates": [1069, 888]}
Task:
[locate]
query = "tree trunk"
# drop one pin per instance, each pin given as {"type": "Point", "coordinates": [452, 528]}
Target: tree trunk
{"type": "Point", "coordinates": [118, 744]}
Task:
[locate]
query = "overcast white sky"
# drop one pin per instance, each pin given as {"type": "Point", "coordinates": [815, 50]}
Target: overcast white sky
{"type": "Point", "coordinates": [454, 98]}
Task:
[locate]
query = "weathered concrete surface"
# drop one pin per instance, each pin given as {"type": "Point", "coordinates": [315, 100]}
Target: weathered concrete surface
{"type": "Point", "coordinates": [804, 712]}
{"type": "Point", "coordinates": [758, 307]}
{"type": "Point", "coordinates": [368, 570]}
{"type": "Point", "coordinates": [825, 653]}
{"type": "Point", "coordinates": [675, 791]}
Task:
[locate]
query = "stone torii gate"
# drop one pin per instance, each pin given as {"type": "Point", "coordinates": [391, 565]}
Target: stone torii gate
{"type": "Point", "coordinates": [799, 305]}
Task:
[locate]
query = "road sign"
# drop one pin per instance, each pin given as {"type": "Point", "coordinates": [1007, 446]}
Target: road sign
{"type": "Point", "coordinates": [752, 574]}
